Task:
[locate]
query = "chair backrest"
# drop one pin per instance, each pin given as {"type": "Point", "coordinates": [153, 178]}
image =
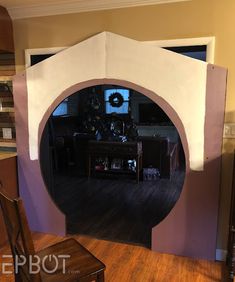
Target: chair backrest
{"type": "Point", "coordinates": [19, 236]}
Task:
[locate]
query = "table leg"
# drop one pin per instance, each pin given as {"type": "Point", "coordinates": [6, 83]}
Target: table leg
{"type": "Point", "coordinates": [89, 166]}
{"type": "Point", "coordinates": [137, 169]}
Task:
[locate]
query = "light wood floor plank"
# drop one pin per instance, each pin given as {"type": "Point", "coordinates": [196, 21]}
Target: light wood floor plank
{"type": "Point", "coordinates": [132, 263]}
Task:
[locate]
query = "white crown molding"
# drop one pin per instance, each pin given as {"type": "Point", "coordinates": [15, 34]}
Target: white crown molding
{"type": "Point", "coordinates": [76, 6]}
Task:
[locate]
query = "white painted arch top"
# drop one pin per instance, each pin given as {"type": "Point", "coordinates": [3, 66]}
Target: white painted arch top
{"type": "Point", "coordinates": [179, 80]}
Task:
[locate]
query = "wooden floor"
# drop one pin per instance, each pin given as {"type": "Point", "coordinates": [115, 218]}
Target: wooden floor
{"type": "Point", "coordinates": [130, 263]}
{"type": "Point", "coordinates": [116, 209]}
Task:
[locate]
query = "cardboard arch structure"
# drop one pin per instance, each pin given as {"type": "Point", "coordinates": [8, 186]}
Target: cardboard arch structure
{"type": "Point", "coordinates": [186, 85]}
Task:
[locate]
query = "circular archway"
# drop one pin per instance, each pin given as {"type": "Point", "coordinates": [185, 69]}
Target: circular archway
{"type": "Point", "coordinates": [86, 202]}
{"type": "Point", "coordinates": [186, 84]}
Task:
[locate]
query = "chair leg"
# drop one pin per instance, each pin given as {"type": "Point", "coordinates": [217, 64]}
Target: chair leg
{"type": "Point", "coordinates": [100, 277]}
{"type": "Point", "coordinates": [18, 278]}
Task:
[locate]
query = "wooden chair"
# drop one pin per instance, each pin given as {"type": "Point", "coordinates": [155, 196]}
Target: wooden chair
{"type": "Point", "coordinates": [80, 266]}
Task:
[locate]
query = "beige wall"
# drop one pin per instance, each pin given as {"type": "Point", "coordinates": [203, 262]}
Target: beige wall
{"type": "Point", "coordinates": [196, 18]}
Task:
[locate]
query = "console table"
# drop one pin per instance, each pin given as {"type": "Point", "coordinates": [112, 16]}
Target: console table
{"type": "Point", "coordinates": [118, 150]}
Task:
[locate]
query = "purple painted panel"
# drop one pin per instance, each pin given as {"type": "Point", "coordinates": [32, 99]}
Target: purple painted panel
{"type": "Point", "coordinates": [191, 228]}
{"type": "Point", "coordinates": [42, 213]}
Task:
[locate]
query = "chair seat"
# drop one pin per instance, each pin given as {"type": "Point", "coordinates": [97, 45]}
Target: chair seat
{"type": "Point", "coordinates": [81, 264]}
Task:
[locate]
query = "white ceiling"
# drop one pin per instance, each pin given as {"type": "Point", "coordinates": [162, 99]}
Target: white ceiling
{"type": "Point", "coordinates": [35, 8]}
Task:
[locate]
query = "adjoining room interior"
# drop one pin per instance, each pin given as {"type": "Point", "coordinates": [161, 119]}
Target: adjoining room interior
{"type": "Point", "coordinates": [118, 200]}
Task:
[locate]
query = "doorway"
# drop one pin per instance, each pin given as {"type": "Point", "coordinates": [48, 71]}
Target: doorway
{"type": "Point", "coordinates": [111, 204]}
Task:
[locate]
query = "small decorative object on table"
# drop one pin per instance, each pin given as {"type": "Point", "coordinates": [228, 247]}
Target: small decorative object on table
{"type": "Point", "coordinates": [116, 164]}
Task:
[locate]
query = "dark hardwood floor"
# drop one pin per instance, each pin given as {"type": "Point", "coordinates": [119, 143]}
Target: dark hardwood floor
{"type": "Point", "coordinates": [115, 209]}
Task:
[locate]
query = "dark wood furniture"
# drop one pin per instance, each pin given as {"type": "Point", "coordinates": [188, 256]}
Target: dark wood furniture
{"type": "Point", "coordinates": [61, 130]}
{"type": "Point", "coordinates": [160, 153]}
{"type": "Point", "coordinates": [7, 70]}
{"type": "Point", "coordinates": [80, 265]}
{"type": "Point", "coordinates": [8, 179]}
{"type": "Point", "coordinates": [231, 239]}
{"type": "Point", "coordinates": [6, 31]}
{"type": "Point", "coordinates": [114, 149]}
{"type": "Point", "coordinates": [80, 143]}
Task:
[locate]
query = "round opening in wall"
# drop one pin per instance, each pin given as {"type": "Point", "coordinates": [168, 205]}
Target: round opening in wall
{"type": "Point", "coordinates": [113, 162]}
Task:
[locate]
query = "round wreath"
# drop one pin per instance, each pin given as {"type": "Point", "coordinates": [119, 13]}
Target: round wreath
{"type": "Point", "coordinates": [116, 100]}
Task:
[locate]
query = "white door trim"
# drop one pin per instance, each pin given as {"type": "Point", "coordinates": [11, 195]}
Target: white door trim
{"type": "Point", "coordinates": [199, 41]}
{"type": "Point", "coordinates": [40, 51]}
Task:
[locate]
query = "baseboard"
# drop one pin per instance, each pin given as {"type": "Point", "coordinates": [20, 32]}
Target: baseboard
{"type": "Point", "coordinates": [220, 255]}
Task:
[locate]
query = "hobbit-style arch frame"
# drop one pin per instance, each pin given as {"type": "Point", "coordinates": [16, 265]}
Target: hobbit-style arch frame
{"type": "Point", "coordinates": [185, 89]}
